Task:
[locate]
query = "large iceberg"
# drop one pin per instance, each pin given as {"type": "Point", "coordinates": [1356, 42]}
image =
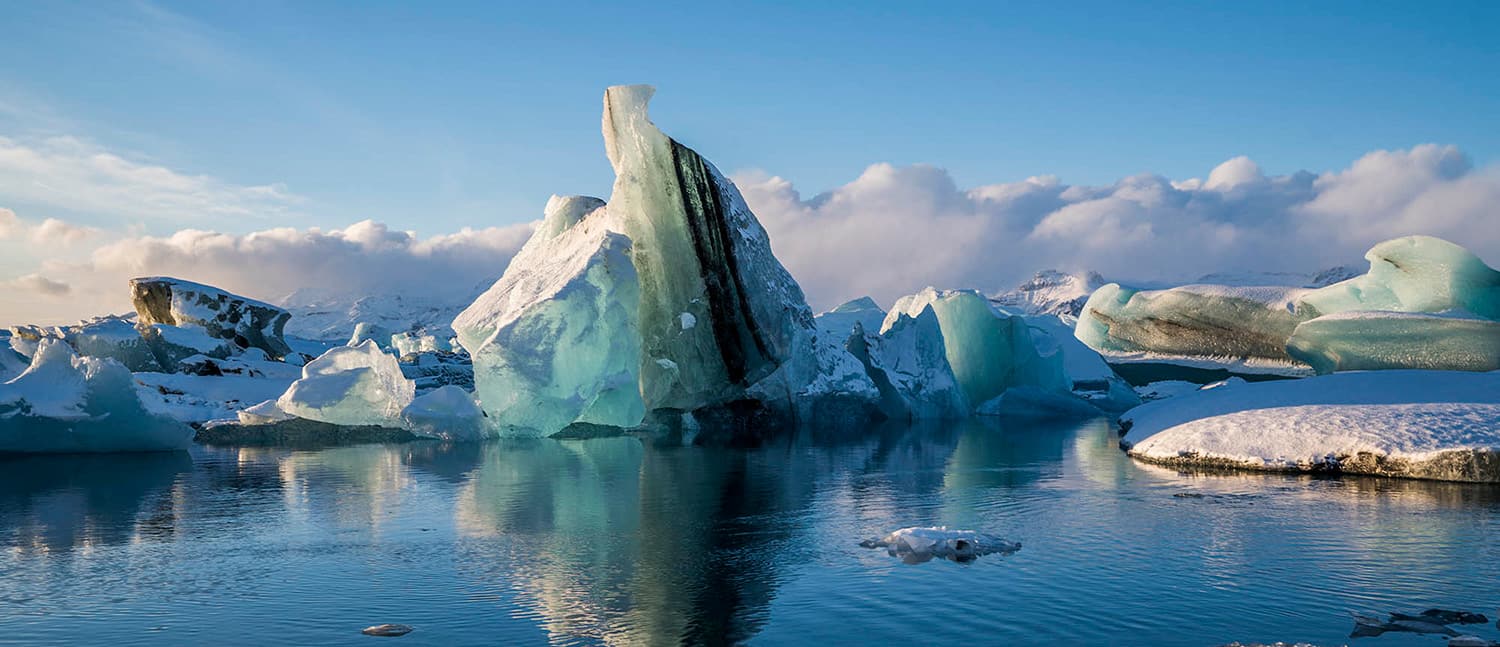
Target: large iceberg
{"type": "Point", "coordinates": [1365, 340]}
{"type": "Point", "coordinates": [988, 348]}
{"type": "Point", "coordinates": [1410, 423]}
{"type": "Point", "coordinates": [350, 386]}
{"type": "Point", "coordinates": [555, 340]}
{"type": "Point", "coordinates": [246, 322]}
{"type": "Point", "coordinates": [1192, 320]}
{"type": "Point", "coordinates": [1413, 274]}
{"type": "Point", "coordinates": [66, 403]}
{"type": "Point", "coordinates": [718, 312]}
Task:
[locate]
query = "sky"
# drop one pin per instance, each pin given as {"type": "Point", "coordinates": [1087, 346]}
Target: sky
{"type": "Point", "coordinates": [264, 130]}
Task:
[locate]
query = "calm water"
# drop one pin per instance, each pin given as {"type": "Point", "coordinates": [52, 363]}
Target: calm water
{"type": "Point", "coordinates": [624, 541]}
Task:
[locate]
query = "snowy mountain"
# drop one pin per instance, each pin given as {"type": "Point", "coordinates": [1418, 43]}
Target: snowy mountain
{"type": "Point", "coordinates": [1051, 292]}
{"type": "Point", "coordinates": [328, 315]}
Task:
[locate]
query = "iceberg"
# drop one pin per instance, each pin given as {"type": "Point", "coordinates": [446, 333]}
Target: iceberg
{"type": "Point", "coordinates": [555, 340]}
{"type": "Point", "coordinates": [246, 322]}
{"type": "Point", "coordinates": [447, 413]}
{"type": "Point", "coordinates": [1365, 341]}
{"type": "Point", "coordinates": [1192, 320]}
{"type": "Point", "coordinates": [66, 403]}
{"type": "Point", "coordinates": [350, 386]}
{"type": "Point", "coordinates": [699, 252]}
{"type": "Point", "coordinates": [1407, 423]}
{"type": "Point", "coordinates": [1413, 274]}
{"type": "Point", "coordinates": [988, 348]}
{"type": "Point", "coordinates": [908, 364]}
{"type": "Point", "coordinates": [1093, 378]}
{"type": "Point", "coordinates": [411, 343]}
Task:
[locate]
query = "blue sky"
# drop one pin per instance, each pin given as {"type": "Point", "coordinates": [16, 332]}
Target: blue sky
{"type": "Point", "coordinates": [432, 118]}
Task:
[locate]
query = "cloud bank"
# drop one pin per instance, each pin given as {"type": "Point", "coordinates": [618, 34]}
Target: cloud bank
{"type": "Point", "coordinates": [891, 231]}
{"type": "Point", "coordinates": [895, 230]}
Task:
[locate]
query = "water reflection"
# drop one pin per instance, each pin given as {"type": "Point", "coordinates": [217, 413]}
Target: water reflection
{"type": "Point", "coordinates": [629, 540]}
{"type": "Point", "coordinates": [57, 503]}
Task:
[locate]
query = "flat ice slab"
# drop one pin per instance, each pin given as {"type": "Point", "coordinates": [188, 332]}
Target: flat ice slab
{"type": "Point", "coordinates": [1439, 425]}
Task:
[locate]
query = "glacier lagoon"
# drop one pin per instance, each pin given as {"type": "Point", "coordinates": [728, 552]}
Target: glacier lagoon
{"type": "Point", "coordinates": [625, 540]}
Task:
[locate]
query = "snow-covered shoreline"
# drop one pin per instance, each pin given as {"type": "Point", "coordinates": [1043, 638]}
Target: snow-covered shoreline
{"type": "Point", "coordinates": [1439, 425]}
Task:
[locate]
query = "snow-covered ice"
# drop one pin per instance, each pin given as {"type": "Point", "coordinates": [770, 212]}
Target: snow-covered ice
{"type": "Point", "coordinates": [1424, 424]}
{"type": "Point", "coordinates": [920, 544]}
{"type": "Point", "coordinates": [66, 403]}
{"type": "Point", "coordinates": [350, 386]}
{"type": "Point", "coordinates": [175, 302]}
{"type": "Point", "coordinates": [556, 340]}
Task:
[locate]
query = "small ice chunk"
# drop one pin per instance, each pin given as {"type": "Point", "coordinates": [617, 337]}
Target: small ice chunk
{"type": "Point", "coordinates": [921, 544]}
{"type": "Point", "coordinates": [350, 385]}
{"type": "Point", "coordinates": [447, 413]}
{"type": "Point", "coordinates": [687, 320]}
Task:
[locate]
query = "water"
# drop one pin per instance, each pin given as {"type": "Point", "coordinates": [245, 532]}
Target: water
{"type": "Point", "coordinates": [628, 542]}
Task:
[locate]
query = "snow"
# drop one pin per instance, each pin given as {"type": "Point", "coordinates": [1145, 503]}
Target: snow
{"type": "Point", "coordinates": [201, 398]}
{"type": "Point", "coordinates": [699, 250]}
{"type": "Point", "coordinates": [1365, 340]}
{"type": "Point", "coordinates": [920, 544]}
{"type": "Point", "coordinates": [447, 413]}
{"type": "Point", "coordinates": [332, 314]}
{"type": "Point", "coordinates": [1425, 424]}
{"type": "Point", "coordinates": [988, 348]}
{"type": "Point", "coordinates": [67, 403]}
{"type": "Point", "coordinates": [556, 340]}
{"type": "Point", "coordinates": [350, 386]}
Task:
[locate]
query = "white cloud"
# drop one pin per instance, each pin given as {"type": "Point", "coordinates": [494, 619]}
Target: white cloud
{"type": "Point", "coordinates": [74, 174]}
{"type": "Point", "coordinates": [894, 230]}
{"type": "Point", "coordinates": [49, 232]}
{"type": "Point", "coordinates": [363, 258]}
{"type": "Point", "coordinates": [38, 284]}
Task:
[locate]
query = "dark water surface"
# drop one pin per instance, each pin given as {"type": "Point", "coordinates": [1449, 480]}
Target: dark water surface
{"type": "Point", "coordinates": [627, 541]}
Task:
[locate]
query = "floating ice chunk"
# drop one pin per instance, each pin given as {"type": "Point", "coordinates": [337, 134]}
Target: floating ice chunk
{"type": "Point", "coordinates": [247, 322]}
{"type": "Point", "coordinates": [1363, 341]}
{"type": "Point", "coordinates": [697, 249]}
{"type": "Point", "coordinates": [350, 386]}
{"type": "Point", "coordinates": [1417, 424]}
{"type": "Point", "coordinates": [447, 413]}
{"type": "Point", "coordinates": [921, 544]}
{"type": "Point", "coordinates": [411, 343]}
{"type": "Point", "coordinates": [265, 413]}
{"type": "Point", "coordinates": [365, 331]}
{"type": "Point", "coordinates": [988, 349]}
{"type": "Point", "coordinates": [1414, 274]}
{"type": "Point", "coordinates": [1192, 320]}
{"type": "Point", "coordinates": [113, 338]}
{"type": "Point", "coordinates": [67, 403]}
{"type": "Point", "coordinates": [556, 340]}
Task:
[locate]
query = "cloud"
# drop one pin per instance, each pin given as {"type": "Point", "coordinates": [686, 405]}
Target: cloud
{"type": "Point", "coordinates": [361, 259]}
{"type": "Point", "coordinates": [38, 284]}
{"type": "Point", "coordinates": [50, 232]}
{"type": "Point", "coordinates": [75, 174]}
{"type": "Point", "coordinates": [894, 230]}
